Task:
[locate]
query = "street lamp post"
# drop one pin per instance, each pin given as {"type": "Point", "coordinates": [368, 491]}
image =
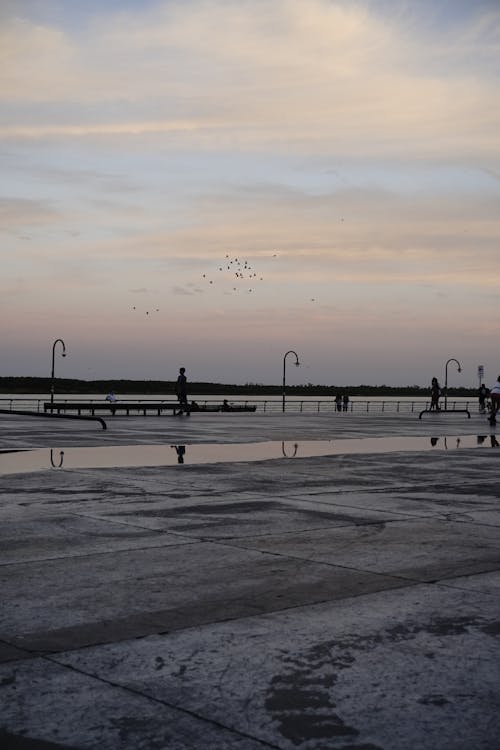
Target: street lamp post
{"type": "Point", "coordinates": [52, 374]}
{"type": "Point", "coordinates": [459, 369]}
{"type": "Point", "coordinates": [297, 363]}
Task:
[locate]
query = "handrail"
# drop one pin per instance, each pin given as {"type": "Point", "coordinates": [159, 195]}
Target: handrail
{"type": "Point", "coordinates": [51, 415]}
{"type": "Point", "coordinates": [268, 405]}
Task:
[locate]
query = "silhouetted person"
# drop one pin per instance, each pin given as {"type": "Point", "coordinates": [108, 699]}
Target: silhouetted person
{"type": "Point", "coordinates": [495, 401]}
{"type": "Point", "coordinates": [181, 391]}
{"type": "Point", "coordinates": [338, 402]}
{"type": "Point", "coordinates": [225, 405]}
{"type": "Point", "coordinates": [494, 441]}
{"type": "Point", "coordinates": [434, 441]}
{"type": "Point", "coordinates": [435, 395]}
{"type": "Point", "coordinates": [345, 402]}
{"type": "Point", "coordinates": [482, 395]}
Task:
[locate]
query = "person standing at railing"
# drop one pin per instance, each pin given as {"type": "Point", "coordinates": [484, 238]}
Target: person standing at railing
{"type": "Point", "coordinates": [112, 401]}
{"type": "Point", "coordinates": [345, 402]}
{"type": "Point", "coordinates": [482, 395]}
{"type": "Point", "coordinates": [435, 395]}
{"type": "Point", "coordinates": [181, 391]}
{"type": "Point", "coordinates": [338, 402]}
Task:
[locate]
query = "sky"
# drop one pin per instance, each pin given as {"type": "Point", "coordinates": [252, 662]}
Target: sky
{"type": "Point", "coordinates": [212, 183]}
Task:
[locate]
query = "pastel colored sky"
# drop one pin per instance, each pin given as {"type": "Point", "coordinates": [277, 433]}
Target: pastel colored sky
{"type": "Point", "coordinates": [347, 151]}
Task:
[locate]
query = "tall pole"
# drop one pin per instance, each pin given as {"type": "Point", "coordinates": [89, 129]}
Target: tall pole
{"type": "Point", "coordinates": [459, 369]}
{"type": "Point", "coordinates": [52, 374]}
{"type": "Point", "coordinates": [297, 363]}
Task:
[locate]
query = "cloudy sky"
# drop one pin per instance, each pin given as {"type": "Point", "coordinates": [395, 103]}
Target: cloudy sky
{"type": "Point", "coordinates": [214, 182]}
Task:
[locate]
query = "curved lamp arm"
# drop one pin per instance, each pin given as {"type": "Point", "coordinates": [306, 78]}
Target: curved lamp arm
{"type": "Point", "coordinates": [297, 363]}
{"type": "Point", "coordinates": [459, 369]}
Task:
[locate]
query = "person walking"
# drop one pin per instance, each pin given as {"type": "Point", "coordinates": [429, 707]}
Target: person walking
{"type": "Point", "coordinates": [495, 401]}
{"type": "Point", "coordinates": [181, 391]}
{"type": "Point", "coordinates": [482, 394]}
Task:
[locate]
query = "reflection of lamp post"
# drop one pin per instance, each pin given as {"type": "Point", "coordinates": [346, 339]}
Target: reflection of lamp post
{"type": "Point", "coordinates": [52, 375]}
{"type": "Point", "coordinates": [297, 363]}
{"type": "Point", "coordinates": [452, 359]}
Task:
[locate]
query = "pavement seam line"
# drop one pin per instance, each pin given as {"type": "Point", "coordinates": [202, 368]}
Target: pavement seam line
{"type": "Point", "coordinates": [146, 696]}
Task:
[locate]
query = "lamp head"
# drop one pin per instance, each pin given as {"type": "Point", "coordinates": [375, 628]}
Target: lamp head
{"type": "Point", "coordinates": [459, 369]}
{"type": "Point", "coordinates": [64, 354]}
{"type": "Point", "coordinates": [297, 363]}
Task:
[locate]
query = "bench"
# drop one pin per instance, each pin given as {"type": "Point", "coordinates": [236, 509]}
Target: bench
{"type": "Point", "coordinates": [221, 407]}
{"type": "Point", "coordinates": [112, 407]}
{"type": "Point", "coordinates": [142, 407]}
{"type": "Point", "coordinates": [444, 411]}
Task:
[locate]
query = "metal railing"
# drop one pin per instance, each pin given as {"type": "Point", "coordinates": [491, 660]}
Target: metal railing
{"type": "Point", "coordinates": [293, 405]}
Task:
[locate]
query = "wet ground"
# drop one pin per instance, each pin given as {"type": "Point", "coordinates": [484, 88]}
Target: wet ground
{"type": "Point", "coordinates": [347, 601]}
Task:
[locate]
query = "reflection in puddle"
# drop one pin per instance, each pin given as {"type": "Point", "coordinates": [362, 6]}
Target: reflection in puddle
{"type": "Point", "coordinates": [18, 461]}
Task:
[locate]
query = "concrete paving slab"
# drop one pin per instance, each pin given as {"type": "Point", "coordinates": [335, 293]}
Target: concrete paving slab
{"type": "Point", "coordinates": [420, 549]}
{"type": "Point", "coordinates": [71, 709]}
{"type": "Point", "coordinates": [236, 516]}
{"type": "Point", "coordinates": [486, 583]}
{"type": "Point", "coordinates": [55, 535]}
{"type": "Point", "coordinates": [167, 587]}
{"type": "Point", "coordinates": [401, 502]}
{"type": "Point", "coordinates": [325, 637]}
{"type": "Point", "coordinates": [412, 668]}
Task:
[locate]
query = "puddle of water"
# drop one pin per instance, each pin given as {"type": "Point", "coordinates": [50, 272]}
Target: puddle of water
{"type": "Point", "coordinates": [13, 462]}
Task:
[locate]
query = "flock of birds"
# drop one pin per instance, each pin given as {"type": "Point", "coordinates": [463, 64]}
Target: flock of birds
{"type": "Point", "coordinates": [242, 275]}
{"type": "Point", "coordinates": [239, 271]}
{"type": "Point", "coordinates": [156, 310]}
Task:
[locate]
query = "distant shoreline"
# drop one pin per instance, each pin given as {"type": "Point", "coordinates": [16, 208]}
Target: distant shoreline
{"type": "Point", "coordinates": [26, 385]}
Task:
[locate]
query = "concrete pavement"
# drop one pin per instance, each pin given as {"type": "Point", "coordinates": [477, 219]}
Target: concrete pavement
{"type": "Point", "coordinates": [349, 602]}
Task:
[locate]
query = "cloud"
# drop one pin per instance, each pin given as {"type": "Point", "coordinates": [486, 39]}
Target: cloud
{"type": "Point", "coordinates": [312, 76]}
{"type": "Point", "coordinates": [17, 213]}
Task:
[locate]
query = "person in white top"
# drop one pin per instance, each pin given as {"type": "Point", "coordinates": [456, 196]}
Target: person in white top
{"type": "Point", "coordinates": [112, 402]}
{"type": "Point", "coordinates": [495, 401]}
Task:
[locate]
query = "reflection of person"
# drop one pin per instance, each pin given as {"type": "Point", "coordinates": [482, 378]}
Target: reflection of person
{"type": "Point", "coordinates": [181, 391]}
{"type": "Point", "coordinates": [435, 394]}
{"type": "Point", "coordinates": [345, 402]}
{"type": "Point", "coordinates": [495, 401]}
{"type": "Point", "coordinates": [112, 401]}
{"type": "Point", "coordinates": [181, 452]}
{"type": "Point", "coordinates": [482, 393]}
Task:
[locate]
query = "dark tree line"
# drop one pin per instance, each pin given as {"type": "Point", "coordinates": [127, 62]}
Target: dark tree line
{"type": "Point", "coordinates": [153, 387]}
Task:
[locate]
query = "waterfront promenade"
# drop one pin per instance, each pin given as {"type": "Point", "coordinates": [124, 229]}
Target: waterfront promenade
{"type": "Point", "coordinates": [348, 601]}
